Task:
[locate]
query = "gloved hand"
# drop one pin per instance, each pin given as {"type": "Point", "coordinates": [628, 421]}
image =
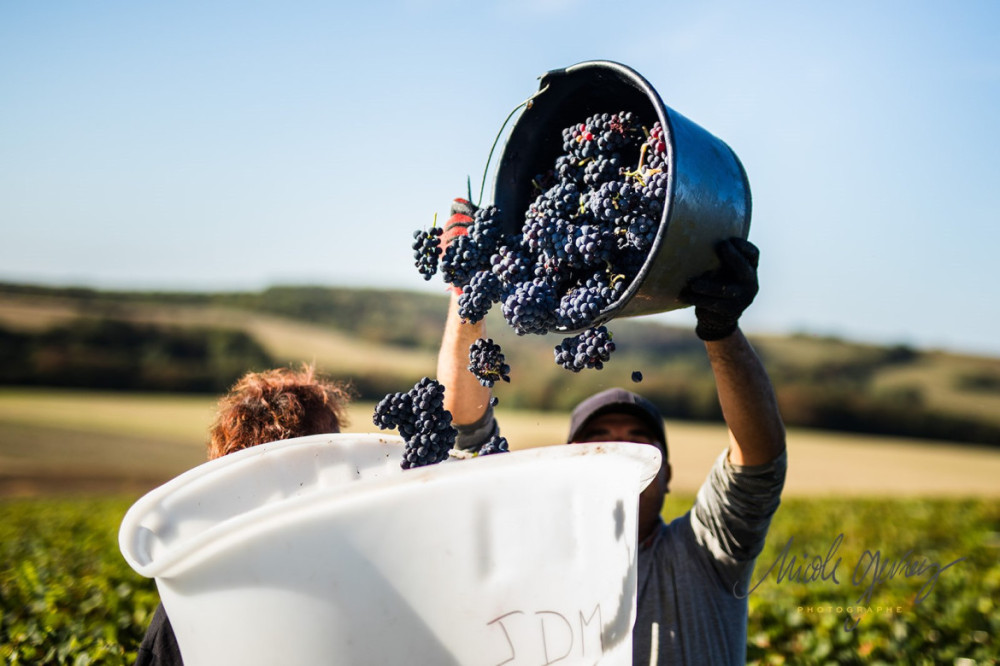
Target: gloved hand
{"type": "Point", "coordinates": [721, 295]}
{"type": "Point", "coordinates": [462, 213]}
{"type": "Point", "coordinates": [462, 217]}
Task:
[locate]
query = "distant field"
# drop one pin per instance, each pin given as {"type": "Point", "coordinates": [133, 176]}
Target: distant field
{"type": "Point", "coordinates": [820, 463]}
{"type": "Point", "coordinates": [939, 378]}
{"type": "Point", "coordinates": [68, 441]}
{"type": "Point", "coordinates": [286, 340]}
{"type": "Point", "coordinates": [77, 441]}
{"type": "Point", "coordinates": [181, 418]}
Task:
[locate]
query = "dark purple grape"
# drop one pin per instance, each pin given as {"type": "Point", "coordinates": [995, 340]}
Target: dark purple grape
{"type": "Point", "coordinates": [486, 232]}
{"type": "Point", "coordinates": [427, 250]}
{"type": "Point", "coordinates": [549, 240]}
{"type": "Point", "coordinates": [422, 422]}
{"type": "Point", "coordinates": [476, 299]}
{"type": "Point", "coordinates": [512, 265]}
{"type": "Point", "coordinates": [590, 349]}
{"type": "Point", "coordinates": [487, 362]}
{"type": "Point", "coordinates": [496, 444]}
{"type": "Point", "coordinates": [602, 169]}
{"type": "Point", "coordinates": [461, 260]}
{"type": "Point", "coordinates": [581, 304]}
{"type": "Point", "coordinates": [567, 169]}
{"type": "Point", "coordinates": [393, 409]}
{"type": "Point", "coordinates": [592, 245]}
{"type": "Point", "coordinates": [531, 306]}
{"type": "Point", "coordinates": [656, 151]}
{"type": "Point", "coordinates": [640, 231]}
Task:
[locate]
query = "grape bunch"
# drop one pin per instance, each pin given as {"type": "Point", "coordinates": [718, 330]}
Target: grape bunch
{"type": "Point", "coordinates": [486, 231]}
{"type": "Point", "coordinates": [590, 349]}
{"type": "Point", "coordinates": [483, 291]}
{"type": "Point", "coordinates": [487, 362]}
{"type": "Point", "coordinates": [470, 253]}
{"type": "Point", "coordinates": [656, 149]}
{"type": "Point", "coordinates": [426, 252]}
{"type": "Point", "coordinates": [585, 235]}
{"type": "Point", "coordinates": [530, 306]}
{"type": "Point", "coordinates": [460, 261]}
{"type": "Point", "coordinates": [496, 444]}
{"type": "Point", "coordinates": [581, 304]}
{"type": "Point", "coordinates": [422, 421]}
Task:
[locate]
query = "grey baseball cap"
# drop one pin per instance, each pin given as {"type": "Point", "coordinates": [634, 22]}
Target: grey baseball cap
{"type": "Point", "coordinates": [619, 401]}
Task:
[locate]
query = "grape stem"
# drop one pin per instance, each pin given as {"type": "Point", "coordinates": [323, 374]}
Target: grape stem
{"type": "Point", "coordinates": [641, 172]}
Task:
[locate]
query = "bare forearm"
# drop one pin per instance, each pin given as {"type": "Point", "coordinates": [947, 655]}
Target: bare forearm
{"type": "Point", "coordinates": [464, 396]}
{"type": "Point", "coordinates": [749, 406]}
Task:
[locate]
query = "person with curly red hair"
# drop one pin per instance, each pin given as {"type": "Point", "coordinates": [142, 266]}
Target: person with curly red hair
{"type": "Point", "coordinates": [277, 404]}
{"type": "Point", "coordinates": [260, 407]}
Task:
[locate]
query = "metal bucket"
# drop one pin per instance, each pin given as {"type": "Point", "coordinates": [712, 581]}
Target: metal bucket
{"type": "Point", "coordinates": [708, 194]}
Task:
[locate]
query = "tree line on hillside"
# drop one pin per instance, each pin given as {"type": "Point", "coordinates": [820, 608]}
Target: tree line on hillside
{"type": "Point", "coordinates": [401, 318]}
{"type": "Point", "coordinates": [104, 349]}
{"type": "Point", "coordinates": [121, 355]}
{"type": "Point", "coordinates": [98, 353]}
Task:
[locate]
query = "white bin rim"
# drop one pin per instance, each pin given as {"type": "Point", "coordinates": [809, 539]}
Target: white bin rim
{"type": "Point", "coordinates": [140, 528]}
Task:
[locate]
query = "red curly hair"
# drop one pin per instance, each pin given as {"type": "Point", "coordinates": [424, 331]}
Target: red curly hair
{"type": "Point", "coordinates": [277, 404]}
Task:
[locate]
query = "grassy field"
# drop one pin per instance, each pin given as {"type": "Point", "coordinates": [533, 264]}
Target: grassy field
{"type": "Point", "coordinates": [52, 440]}
{"type": "Point", "coordinates": [67, 596]}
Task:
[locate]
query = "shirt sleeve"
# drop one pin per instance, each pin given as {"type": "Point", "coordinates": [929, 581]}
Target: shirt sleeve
{"type": "Point", "coordinates": [472, 436]}
{"type": "Point", "coordinates": [733, 512]}
{"type": "Point", "coordinates": [159, 646]}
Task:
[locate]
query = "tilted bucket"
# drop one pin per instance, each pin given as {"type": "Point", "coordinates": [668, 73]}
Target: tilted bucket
{"type": "Point", "coordinates": [708, 194]}
{"type": "Point", "coordinates": [321, 550]}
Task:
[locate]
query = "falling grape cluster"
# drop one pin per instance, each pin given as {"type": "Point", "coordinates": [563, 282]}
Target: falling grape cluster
{"type": "Point", "coordinates": [590, 349]}
{"type": "Point", "coordinates": [422, 421]}
{"type": "Point", "coordinates": [496, 444]}
{"type": "Point", "coordinates": [426, 250]}
{"type": "Point", "coordinates": [487, 362]}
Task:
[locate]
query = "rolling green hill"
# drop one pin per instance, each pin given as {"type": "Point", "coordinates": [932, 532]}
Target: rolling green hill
{"type": "Point", "coordinates": [386, 340]}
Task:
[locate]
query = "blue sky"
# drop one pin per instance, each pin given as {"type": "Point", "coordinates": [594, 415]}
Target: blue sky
{"type": "Point", "coordinates": [236, 145]}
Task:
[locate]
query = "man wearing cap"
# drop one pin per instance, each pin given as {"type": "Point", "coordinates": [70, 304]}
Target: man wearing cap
{"type": "Point", "coordinates": [694, 572]}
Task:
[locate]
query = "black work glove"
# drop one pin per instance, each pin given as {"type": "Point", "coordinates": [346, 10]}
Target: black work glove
{"type": "Point", "coordinates": [721, 295]}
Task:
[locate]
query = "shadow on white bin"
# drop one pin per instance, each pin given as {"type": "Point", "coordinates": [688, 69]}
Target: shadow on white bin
{"type": "Point", "coordinates": [321, 550]}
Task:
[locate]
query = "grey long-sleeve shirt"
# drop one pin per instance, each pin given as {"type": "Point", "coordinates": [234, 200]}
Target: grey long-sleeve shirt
{"type": "Point", "coordinates": [694, 573]}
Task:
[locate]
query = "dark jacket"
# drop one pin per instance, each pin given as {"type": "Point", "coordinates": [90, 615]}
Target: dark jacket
{"type": "Point", "coordinates": [159, 646]}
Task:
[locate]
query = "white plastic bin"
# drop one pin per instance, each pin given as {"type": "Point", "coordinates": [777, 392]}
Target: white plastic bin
{"type": "Point", "coordinates": [320, 550]}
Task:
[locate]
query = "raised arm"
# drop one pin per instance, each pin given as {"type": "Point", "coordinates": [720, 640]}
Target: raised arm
{"type": "Point", "coordinates": [756, 431]}
{"type": "Point", "coordinates": [464, 396]}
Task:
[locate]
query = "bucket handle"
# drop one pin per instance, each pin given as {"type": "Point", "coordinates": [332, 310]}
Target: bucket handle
{"type": "Point", "coordinates": [527, 105]}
